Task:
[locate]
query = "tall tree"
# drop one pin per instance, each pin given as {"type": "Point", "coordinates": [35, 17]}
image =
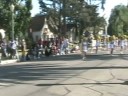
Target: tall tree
{"type": "Point", "coordinates": [22, 16]}
{"type": "Point", "coordinates": [74, 11]}
{"type": "Point", "coordinates": [118, 21]}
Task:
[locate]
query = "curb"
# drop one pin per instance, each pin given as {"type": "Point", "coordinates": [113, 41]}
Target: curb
{"type": "Point", "coordinates": [8, 61]}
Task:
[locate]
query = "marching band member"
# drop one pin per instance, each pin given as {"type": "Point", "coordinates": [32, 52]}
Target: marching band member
{"type": "Point", "coordinates": [84, 47]}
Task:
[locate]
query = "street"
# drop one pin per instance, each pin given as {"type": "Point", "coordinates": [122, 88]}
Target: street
{"type": "Point", "coordinates": [67, 75]}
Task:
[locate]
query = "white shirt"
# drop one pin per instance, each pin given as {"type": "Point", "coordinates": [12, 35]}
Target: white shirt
{"type": "Point", "coordinates": [84, 46]}
{"type": "Point", "coordinates": [13, 44]}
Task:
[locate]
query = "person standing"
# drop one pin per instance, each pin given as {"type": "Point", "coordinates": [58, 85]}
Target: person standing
{"type": "Point", "coordinates": [122, 44]}
{"type": "Point", "coordinates": [13, 47]}
{"type": "Point", "coordinates": [84, 48]}
{"type": "Point", "coordinates": [23, 49]}
{"type": "Point", "coordinates": [112, 45]}
{"type": "Point", "coordinates": [98, 41]}
{"type": "Point", "coordinates": [4, 49]}
{"type": "Point", "coordinates": [64, 46]}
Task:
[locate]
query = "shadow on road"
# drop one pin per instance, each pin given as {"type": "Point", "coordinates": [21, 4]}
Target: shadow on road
{"type": "Point", "coordinates": [41, 71]}
{"type": "Point", "coordinates": [123, 83]}
{"type": "Point", "coordinates": [89, 57]}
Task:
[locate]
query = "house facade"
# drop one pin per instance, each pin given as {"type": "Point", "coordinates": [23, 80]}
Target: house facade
{"type": "Point", "coordinates": [40, 29]}
{"type": "Point", "coordinates": [44, 29]}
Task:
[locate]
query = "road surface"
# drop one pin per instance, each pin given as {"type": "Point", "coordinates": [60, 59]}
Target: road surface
{"type": "Point", "coordinates": [67, 75]}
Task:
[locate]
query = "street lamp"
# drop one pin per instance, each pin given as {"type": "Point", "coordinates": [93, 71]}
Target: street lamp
{"type": "Point", "coordinates": [12, 7]}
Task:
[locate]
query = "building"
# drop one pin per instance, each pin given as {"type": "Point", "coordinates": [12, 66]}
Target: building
{"type": "Point", "coordinates": [44, 28]}
{"type": "Point", "coordinates": [40, 28]}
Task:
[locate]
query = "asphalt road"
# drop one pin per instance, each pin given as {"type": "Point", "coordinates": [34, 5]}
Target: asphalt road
{"type": "Point", "coordinates": [67, 75]}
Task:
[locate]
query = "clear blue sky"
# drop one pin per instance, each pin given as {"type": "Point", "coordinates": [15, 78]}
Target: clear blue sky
{"type": "Point", "coordinates": [108, 6]}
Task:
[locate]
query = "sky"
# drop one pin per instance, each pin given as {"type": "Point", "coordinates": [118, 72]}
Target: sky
{"type": "Point", "coordinates": [35, 9]}
{"type": "Point", "coordinates": [109, 5]}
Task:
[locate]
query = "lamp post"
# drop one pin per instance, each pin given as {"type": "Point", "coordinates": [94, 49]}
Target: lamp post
{"type": "Point", "coordinates": [12, 7]}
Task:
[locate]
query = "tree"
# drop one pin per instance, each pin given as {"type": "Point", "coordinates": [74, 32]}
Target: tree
{"type": "Point", "coordinates": [77, 12]}
{"type": "Point", "coordinates": [22, 16]}
{"type": "Point", "coordinates": [118, 21]}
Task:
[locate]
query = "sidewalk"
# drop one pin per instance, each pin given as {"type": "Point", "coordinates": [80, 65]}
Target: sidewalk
{"type": "Point", "coordinates": [8, 61]}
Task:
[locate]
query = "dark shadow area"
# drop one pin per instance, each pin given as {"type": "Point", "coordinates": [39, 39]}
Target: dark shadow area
{"type": "Point", "coordinates": [107, 57]}
{"type": "Point", "coordinates": [123, 83]}
{"type": "Point", "coordinates": [30, 72]}
{"type": "Point", "coordinates": [37, 71]}
{"type": "Point", "coordinates": [71, 57]}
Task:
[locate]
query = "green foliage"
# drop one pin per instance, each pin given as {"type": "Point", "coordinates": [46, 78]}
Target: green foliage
{"type": "Point", "coordinates": [118, 21]}
{"type": "Point", "coordinates": [76, 12]}
{"type": "Point", "coordinates": [22, 16]}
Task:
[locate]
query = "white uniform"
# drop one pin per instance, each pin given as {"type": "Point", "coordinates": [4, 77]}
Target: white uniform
{"type": "Point", "coordinates": [122, 43]}
{"type": "Point", "coordinates": [126, 42]}
{"type": "Point", "coordinates": [97, 43]}
{"type": "Point", "coordinates": [112, 45]}
{"type": "Point", "coordinates": [84, 45]}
